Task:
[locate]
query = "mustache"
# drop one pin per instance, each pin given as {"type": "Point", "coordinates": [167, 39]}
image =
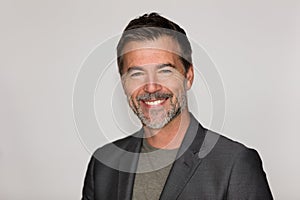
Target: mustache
{"type": "Point", "coordinates": [152, 96]}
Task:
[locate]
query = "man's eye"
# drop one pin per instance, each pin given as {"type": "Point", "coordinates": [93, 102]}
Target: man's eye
{"type": "Point", "coordinates": [135, 74]}
{"type": "Point", "coordinates": [165, 71]}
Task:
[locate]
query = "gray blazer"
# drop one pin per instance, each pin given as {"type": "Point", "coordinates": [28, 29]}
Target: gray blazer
{"type": "Point", "coordinates": [208, 167]}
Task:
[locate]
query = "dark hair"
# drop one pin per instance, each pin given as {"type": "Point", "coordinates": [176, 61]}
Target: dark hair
{"type": "Point", "coordinates": [151, 27]}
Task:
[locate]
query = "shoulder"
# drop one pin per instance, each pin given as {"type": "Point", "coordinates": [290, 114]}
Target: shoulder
{"type": "Point", "coordinates": [238, 162]}
{"type": "Point", "coordinates": [227, 145]}
{"type": "Point", "coordinates": [230, 151]}
{"type": "Point", "coordinates": [115, 150]}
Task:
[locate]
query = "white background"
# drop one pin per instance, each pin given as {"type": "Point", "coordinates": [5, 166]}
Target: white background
{"type": "Point", "coordinates": [254, 44]}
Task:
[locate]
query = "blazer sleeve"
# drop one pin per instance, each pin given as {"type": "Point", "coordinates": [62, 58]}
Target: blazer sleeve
{"type": "Point", "coordinates": [88, 188]}
{"type": "Point", "coordinates": [248, 179]}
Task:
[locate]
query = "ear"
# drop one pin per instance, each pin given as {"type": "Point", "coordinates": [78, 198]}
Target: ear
{"type": "Point", "coordinates": [189, 77]}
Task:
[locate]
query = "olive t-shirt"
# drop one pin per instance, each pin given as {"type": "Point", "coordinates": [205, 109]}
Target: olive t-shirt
{"type": "Point", "coordinates": [153, 169]}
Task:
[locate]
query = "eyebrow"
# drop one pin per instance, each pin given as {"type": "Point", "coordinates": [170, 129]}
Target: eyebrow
{"type": "Point", "coordinates": [159, 66]}
{"type": "Point", "coordinates": [134, 68]}
{"type": "Point", "coordinates": [165, 65]}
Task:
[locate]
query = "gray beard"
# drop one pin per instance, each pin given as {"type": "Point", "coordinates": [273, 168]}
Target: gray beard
{"type": "Point", "coordinates": [157, 119]}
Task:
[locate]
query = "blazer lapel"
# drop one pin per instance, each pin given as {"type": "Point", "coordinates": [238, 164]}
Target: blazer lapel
{"type": "Point", "coordinates": [127, 166]}
{"type": "Point", "coordinates": [186, 163]}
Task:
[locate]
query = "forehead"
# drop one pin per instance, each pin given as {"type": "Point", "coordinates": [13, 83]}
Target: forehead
{"type": "Point", "coordinates": [159, 51]}
{"type": "Point", "coordinates": [165, 43]}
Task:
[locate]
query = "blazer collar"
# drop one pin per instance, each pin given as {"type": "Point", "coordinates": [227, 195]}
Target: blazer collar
{"type": "Point", "coordinates": [186, 162]}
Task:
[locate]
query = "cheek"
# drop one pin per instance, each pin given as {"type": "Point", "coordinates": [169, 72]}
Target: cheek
{"type": "Point", "coordinates": [131, 94]}
{"type": "Point", "coordinates": [130, 89]}
{"type": "Point", "coordinates": [175, 85]}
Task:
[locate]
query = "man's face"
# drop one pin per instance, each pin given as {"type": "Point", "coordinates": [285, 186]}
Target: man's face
{"type": "Point", "coordinates": [155, 81]}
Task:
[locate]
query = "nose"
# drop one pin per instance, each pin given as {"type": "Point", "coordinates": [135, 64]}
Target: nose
{"type": "Point", "coordinates": [152, 87]}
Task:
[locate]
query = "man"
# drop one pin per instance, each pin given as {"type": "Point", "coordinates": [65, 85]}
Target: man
{"type": "Point", "coordinates": [172, 156]}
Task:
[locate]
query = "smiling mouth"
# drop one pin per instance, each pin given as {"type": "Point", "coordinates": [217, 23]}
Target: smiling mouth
{"type": "Point", "coordinates": [154, 99]}
{"type": "Point", "coordinates": [155, 102]}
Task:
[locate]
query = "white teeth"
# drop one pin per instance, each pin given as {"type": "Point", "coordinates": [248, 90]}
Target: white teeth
{"type": "Point", "coordinates": [153, 103]}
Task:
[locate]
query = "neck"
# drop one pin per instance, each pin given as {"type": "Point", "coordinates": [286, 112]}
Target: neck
{"type": "Point", "coordinates": [170, 136]}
